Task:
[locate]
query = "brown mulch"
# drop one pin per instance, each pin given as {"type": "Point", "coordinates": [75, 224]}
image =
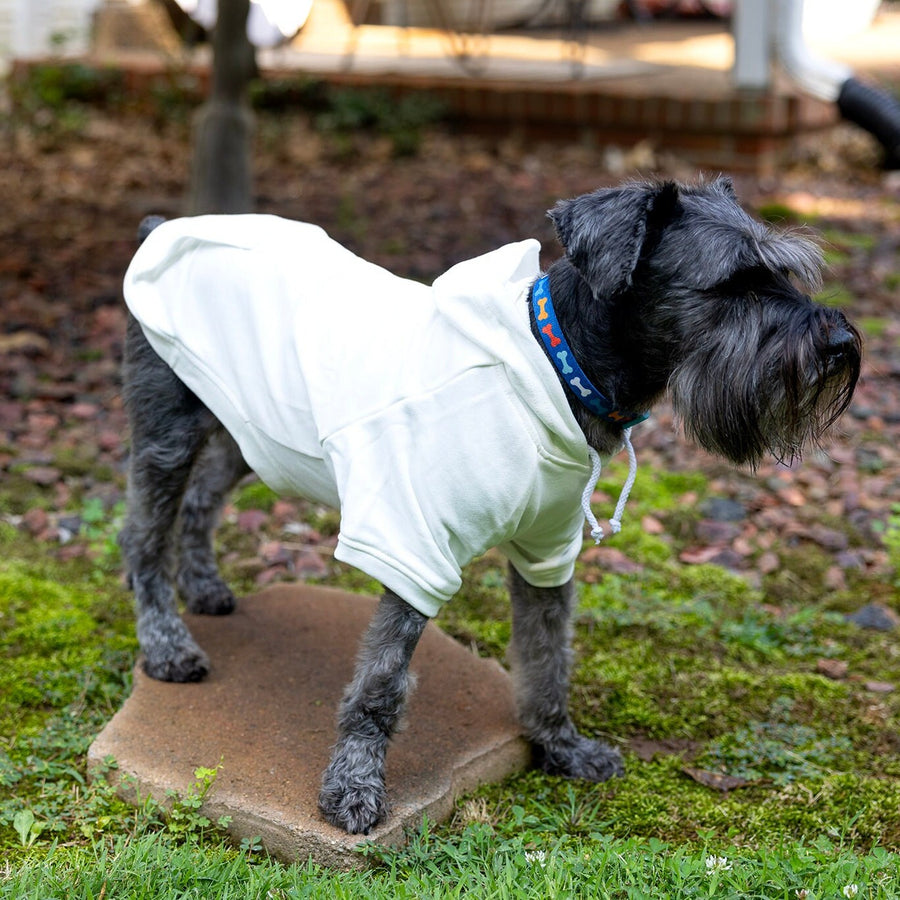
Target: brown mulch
{"type": "Point", "coordinates": [67, 232]}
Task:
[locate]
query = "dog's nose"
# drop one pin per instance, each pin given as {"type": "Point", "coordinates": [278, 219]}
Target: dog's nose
{"type": "Point", "coordinates": [840, 341]}
{"type": "Point", "coordinates": [842, 344]}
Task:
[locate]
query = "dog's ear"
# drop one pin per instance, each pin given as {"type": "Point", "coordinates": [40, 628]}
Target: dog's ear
{"type": "Point", "coordinates": [604, 232]}
{"type": "Point", "coordinates": [725, 186]}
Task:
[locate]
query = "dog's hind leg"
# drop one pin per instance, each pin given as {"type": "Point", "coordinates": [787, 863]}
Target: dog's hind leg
{"type": "Point", "coordinates": [541, 657]}
{"type": "Point", "coordinates": [353, 795]}
{"type": "Point", "coordinates": [169, 427]}
{"type": "Point", "coordinates": [218, 468]}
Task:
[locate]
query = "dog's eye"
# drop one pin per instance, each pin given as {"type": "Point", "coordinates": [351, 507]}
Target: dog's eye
{"type": "Point", "coordinates": [748, 283]}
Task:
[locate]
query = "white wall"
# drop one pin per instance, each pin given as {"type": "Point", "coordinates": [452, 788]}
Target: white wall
{"type": "Point", "coordinates": [28, 27]}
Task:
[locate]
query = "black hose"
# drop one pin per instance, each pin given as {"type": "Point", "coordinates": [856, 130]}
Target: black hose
{"type": "Point", "coordinates": [148, 223]}
{"type": "Point", "coordinates": [875, 110]}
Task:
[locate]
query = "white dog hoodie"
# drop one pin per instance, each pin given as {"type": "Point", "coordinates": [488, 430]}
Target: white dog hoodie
{"type": "Point", "coordinates": [429, 416]}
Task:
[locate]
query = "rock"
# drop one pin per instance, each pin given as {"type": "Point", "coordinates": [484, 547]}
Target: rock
{"type": "Point", "coordinates": [83, 410]}
{"type": "Point", "coordinates": [716, 531]}
{"type": "Point", "coordinates": [828, 538]}
{"type": "Point", "coordinates": [309, 564]}
{"type": "Point", "coordinates": [109, 440]}
{"type": "Point", "coordinates": [36, 521]}
{"type": "Point", "coordinates": [270, 575]}
{"type": "Point", "coordinates": [284, 510]}
{"type": "Point", "coordinates": [10, 414]}
{"type": "Point", "coordinates": [42, 475]}
{"type": "Point", "coordinates": [652, 525]}
{"type": "Point", "coordinates": [274, 553]}
{"type": "Point", "coordinates": [835, 669]}
{"type": "Point", "coordinates": [835, 579]}
{"type": "Point", "coordinates": [848, 559]}
{"type": "Point", "coordinates": [875, 616]}
{"type": "Point", "coordinates": [728, 558]}
{"type": "Point", "coordinates": [251, 520]}
{"type": "Point", "coordinates": [792, 496]}
{"type": "Point", "coordinates": [723, 509]}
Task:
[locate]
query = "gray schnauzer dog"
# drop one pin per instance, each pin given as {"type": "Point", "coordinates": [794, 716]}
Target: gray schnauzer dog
{"type": "Point", "coordinates": [664, 289]}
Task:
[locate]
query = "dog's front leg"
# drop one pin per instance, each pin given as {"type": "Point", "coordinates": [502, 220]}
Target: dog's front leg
{"type": "Point", "coordinates": [541, 656]}
{"type": "Point", "coordinates": [353, 793]}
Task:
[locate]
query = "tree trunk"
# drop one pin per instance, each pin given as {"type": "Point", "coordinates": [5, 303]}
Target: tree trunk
{"type": "Point", "coordinates": [221, 180]}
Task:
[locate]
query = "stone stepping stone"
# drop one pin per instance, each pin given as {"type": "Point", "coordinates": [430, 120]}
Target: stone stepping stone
{"type": "Point", "coordinates": [267, 711]}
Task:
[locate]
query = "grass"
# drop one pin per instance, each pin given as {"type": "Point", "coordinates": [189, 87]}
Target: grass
{"type": "Point", "coordinates": [692, 659]}
{"type": "Point", "coordinates": [694, 672]}
{"type": "Point", "coordinates": [476, 863]}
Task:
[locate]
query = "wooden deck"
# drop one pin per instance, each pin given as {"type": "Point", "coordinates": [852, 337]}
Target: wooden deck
{"type": "Point", "coordinates": [667, 84]}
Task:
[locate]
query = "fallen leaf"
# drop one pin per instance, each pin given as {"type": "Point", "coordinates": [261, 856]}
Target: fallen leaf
{"type": "Point", "coordinates": [23, 342]}
{"type": "Point", "coordinates": [698, 555]}
{"type": "Point", "coordinates": [611, 559]}
{"type": "Point", "coordinates": [718, 781]}
{"type": "Point", "coordinates": [646, 749]}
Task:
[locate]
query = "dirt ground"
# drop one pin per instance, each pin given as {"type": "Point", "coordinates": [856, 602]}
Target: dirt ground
{"type": "Point", "coordinates": [74, 195]}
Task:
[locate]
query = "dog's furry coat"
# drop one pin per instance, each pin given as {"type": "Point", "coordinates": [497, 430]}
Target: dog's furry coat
{"type": "Point", "coordinates": [662, 288]}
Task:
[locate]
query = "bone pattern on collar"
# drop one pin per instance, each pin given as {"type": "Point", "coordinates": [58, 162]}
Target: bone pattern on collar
{"type": "Point", "coordinates": [563, 359]}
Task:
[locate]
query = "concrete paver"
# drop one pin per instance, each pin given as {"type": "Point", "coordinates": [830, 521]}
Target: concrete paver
{"type": "Point", "coordinates": [267, 712]}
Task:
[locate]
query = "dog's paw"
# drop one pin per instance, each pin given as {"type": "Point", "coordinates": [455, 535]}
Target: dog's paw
{"type": "Point", "coordinates": [356, 809]}
{"type": "Point", "coordinates": [206, 596]}
{"type": "Point", "coordinates": [582, 758]}
{"type": "Point", "coordinates": [217, 600]}
{"type": "Point", "coordinates": [187, 665]}
{"type": "Point", "coordinates": [170, 652]}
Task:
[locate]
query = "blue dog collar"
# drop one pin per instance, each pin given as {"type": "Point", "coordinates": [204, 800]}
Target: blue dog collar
{"type": "Point", "coordinates": [564, 359]}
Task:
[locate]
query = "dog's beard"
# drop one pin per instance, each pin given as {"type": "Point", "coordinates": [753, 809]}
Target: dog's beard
{"type": "Point", "coordinates": [764, 388]}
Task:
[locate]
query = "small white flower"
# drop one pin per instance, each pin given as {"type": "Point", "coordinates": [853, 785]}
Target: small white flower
{"type": "Point", "coordinates": [802, 894]}
{"type": "Point", "coordinates": [850, 890]}
{"type": "Point", "coordinates": [715, 864]}
{"type": "Point", "coordinates": [536, 856]}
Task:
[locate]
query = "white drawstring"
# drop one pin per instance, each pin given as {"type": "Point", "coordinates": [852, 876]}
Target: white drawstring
{"type": "Point", "coordinates": [615, 523]}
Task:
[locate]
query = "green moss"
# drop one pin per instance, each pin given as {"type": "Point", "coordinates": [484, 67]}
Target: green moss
{"type": "Point", "coordinates": [835, 295]}
{"type": "Point", "coordinates": [75, 461]}
{"type": "Point", "coordinates": [325, 520]}
{"type": "Point", "coordinates": [654, 490]}
{"type": "Point", "coordinates": [671, 596]}
{"type": "Point", "coordinates": [873, 327]}
{"type": "Point", "coordinates": [254, 495]}
{"type": "Point", "coordinates": [777, 213]}
{"type": "Point", "coordinates": [657, 800]}
{"type": "Point", "coordinates": [800, 576]}
{"type": "Point", "coordinates": [18, 494]}
{"type": "Point", "coordinates": [850, 239]}
{"type": "Point", "coordinates": [693, 653]}
{"type": "Point", "coordinates": [835, 258]}
{"type": "Point", "coordinates": [55, 648]}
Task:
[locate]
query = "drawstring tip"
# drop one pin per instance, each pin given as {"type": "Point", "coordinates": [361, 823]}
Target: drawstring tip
{"type": "Point", "coordinates": [615, 523]}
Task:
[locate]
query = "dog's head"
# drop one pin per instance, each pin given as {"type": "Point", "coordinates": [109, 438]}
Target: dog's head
{"type": "Point", "coordinates": [719, 305]}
